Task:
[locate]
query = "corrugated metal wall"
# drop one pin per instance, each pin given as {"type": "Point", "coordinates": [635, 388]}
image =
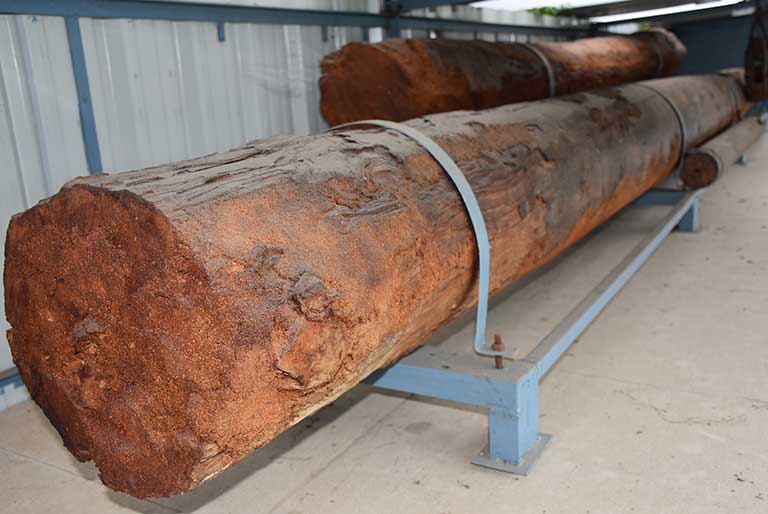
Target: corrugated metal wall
{"type": "Point", "coordinates": [162, 91]}
{"type": "Point", "coordinates": [40, 142]}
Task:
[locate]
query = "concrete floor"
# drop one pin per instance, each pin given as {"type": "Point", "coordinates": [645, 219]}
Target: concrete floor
{"type": "Point", "coordinates": [662, 406]}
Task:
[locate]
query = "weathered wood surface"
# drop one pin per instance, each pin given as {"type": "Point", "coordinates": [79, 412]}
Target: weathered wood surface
{"type": "Point", "coordinates": [400, 79]}
{"type": "Point", "coordinates": [170, 320]}
{"type": "Point", "coordinates": [703, 165]}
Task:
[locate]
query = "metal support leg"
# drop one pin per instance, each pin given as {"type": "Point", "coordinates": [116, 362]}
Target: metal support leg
{"type": "Point", "coordinates": [690, 222]}
{"type": "Point", "coordinates": [514, 441]}
{"type": "Point", "coordinates": [511, 394]}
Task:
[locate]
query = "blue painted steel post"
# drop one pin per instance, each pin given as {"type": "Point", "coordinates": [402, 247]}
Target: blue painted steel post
{"type": "Point", "coordinates": [511, 396]}
{"type": "Point", "coordinates": [392, 11]}
{"type": "Point", "coordinates": [87, 120]}
{"type": "Point", "coordinates": [690, 222]}
{"type": "Point", "coordinates": [393, 27]}
{"type": "Point", "coordinates": [513, 427]}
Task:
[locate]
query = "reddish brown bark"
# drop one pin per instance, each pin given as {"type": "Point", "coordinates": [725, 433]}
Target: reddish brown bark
{"type": "Point", "coordinates": [172, 319]}
{"type": "Point", "coordinates": [703, 165]}
{"type": "Point", "coordinates": [400, 79]}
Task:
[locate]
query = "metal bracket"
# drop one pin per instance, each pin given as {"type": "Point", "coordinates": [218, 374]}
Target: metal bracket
{"type": "Point", "coordinates": [511, 394]}
{"type": "Point", "coordinates": [527, 461]}
{"type": "Point", "coordinates": [551, 84]}
{"type": "Point", "coordinates": [681, 123]}
{"type": "Point", "coordinates": [475, 216]}
{"type": "Point", "coordinates": [743, 160]}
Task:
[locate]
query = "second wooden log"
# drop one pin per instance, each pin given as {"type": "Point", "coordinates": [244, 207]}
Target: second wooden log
{"type": "Point", "coordinates": [400, 79]}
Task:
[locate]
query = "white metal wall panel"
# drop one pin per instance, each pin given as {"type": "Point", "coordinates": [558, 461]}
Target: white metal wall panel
{"type": "Point", "coordinates": [164, 91]}
{"type": "Point", "coordinates": [40, 142]}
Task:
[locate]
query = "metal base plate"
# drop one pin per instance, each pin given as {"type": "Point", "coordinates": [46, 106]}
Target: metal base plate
{"type": "Point", "coordinates": [521, 468]}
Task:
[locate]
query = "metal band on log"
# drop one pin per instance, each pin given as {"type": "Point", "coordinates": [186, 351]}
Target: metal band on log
{"type": "Point", "coordinates": [703, 165]}
{"type": "Point", "coordinates": [680, 121]}
{"type": "Point", "coordinates": [400, 79]}
{"type": "Point", "coordinates": [172, 319]}
{"type": "Point", "coordinates": [551, 80]}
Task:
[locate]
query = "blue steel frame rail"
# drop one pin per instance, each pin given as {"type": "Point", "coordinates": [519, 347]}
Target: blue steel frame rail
{"type": "Point", "coordinates": [511, 394]}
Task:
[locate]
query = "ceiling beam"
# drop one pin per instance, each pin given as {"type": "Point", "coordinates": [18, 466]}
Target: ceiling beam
{"type": "Point", "coordinates": [222, 13]}
{"type": "Point", "coordinates": [623, 7]}
{"type": "Point", "coordinates": [410, 5]}
{"type": "Point", "coordinates": [452, 25]}
{"type": "Point", "coordinates": [745, 8]}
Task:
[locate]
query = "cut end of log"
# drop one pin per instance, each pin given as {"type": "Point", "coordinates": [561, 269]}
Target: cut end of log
{"type": "Point", "coordinates": [699, 170]}
{"type": "Point", "coordinates": [671, 49]}
{"type": "Point", "coordinates": [88, 266]}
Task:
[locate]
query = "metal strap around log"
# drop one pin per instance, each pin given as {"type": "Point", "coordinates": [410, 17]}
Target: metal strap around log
{"type": "Point", "coordinates": [659, 54]}
{"type": "Point", "coordinates": [475, 215]}
{"type": "Point", "coordinates": [660, 59]}
{"type": "Point", "coordinates": [738, 95]}
{"type": "Point", "coordinates": [551, 84]}
{"type": "Point", "coordinates": [680, 121]}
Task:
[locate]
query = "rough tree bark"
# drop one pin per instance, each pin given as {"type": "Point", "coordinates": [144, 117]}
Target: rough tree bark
{"type": "Point", "coordinates": [400, 79]}
{"type": "Point", "coordinates": [170, 320]}
{"type": "Point", "coordinates": [703, 165]}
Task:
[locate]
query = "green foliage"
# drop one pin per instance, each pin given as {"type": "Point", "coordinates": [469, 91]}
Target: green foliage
{"type": "Point", "coordinates": [550, 11]}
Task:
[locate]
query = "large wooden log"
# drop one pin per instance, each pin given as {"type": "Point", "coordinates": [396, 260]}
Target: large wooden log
{"type": "Point", "coordinates": [400, 79]}
{"type": "Point", "coordinates": [703, 165]}
{"type": "Point", "coordinates": [170, 320]}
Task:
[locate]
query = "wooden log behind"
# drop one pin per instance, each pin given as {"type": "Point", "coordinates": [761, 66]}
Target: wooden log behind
{"type": "Point", "coordinates": [703, 165]}
{"type": "Point", "coordinates": [400, 79]}
{"type": "Point", "coordinates": [170, 320]}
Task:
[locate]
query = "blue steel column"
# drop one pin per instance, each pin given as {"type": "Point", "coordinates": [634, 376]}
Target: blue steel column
{"type": "Point", "coordinates": [513, 427]}
{"type": "Point", "coordinates": [85, 105]}
{"type": "Point", "coordinates": [393, 26]}
{"type": "Point", "coordinates": [392, 10]}
{"type": "Point", "coordinates": [690, 222]}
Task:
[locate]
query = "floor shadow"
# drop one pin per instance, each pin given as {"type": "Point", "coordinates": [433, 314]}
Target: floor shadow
{"type": "Point", "coordinates": [259, 459]}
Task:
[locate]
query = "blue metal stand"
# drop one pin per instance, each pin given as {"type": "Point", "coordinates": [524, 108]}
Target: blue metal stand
{"type": "Point", "coordinates": [511, 394]}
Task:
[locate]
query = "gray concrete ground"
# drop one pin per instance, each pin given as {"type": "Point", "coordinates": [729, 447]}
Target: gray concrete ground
{"type": "Point", "coordinates": [662, 406]}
